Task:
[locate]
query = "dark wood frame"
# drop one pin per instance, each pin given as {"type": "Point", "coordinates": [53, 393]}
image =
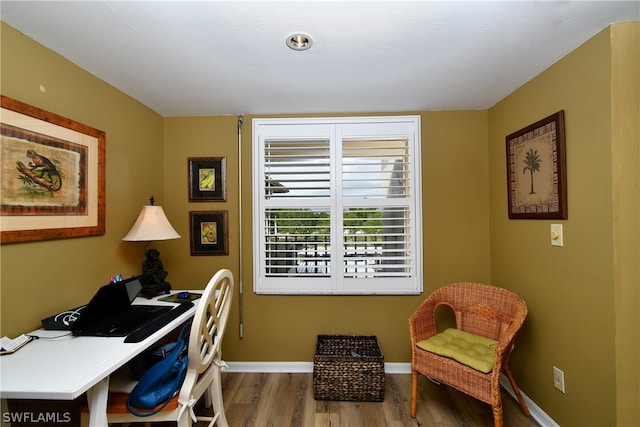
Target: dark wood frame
{"type": "Point", "coordinates": [196, 221]}
{"type": "Point", "coordinates": [90, 214]}
{"type": "Point", "coordinates": [200, 194]}
{"type": "Point", "coordinates": [542, 144]}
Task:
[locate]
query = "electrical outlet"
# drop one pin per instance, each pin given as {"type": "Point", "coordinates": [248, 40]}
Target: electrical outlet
{"type": "Point", "coordinates": [558, 379]}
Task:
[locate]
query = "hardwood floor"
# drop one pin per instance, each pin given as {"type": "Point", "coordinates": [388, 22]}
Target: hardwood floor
{"type": "Point", "coordinates": [280, 400]}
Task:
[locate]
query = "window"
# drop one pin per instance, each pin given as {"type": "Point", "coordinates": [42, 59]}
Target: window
{"type": "Point", "coordinates": [337, 205]}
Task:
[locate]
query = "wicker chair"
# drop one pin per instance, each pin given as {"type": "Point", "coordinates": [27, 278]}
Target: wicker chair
{"type": "Point", "coordinates": [479, 309]}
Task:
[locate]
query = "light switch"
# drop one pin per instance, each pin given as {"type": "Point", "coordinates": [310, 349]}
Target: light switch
{"type": "Point", "coordinates": [556, 235]}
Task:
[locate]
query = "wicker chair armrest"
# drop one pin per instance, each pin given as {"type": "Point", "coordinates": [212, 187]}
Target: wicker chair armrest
{"type": "Point", "coordinates": [422, 323]}
{"type": "Point", "coordinates": [505, 344]}
{"type": "Point", "coordinates": [508, 332]}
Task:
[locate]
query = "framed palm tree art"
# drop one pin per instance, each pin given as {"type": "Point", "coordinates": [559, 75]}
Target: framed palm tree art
{"type": "Point", "coordinates": [536, 170]}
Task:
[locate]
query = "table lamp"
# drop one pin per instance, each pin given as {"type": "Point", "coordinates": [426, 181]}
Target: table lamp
{"type": "Point", "coordinates": [152, 224]}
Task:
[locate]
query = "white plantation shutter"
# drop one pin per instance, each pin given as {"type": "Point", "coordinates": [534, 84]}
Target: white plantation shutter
{"type": "Point", "coordinates": [337, 205]}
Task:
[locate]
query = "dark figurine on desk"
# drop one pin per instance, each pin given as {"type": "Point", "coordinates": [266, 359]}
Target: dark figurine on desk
{"type": "Point", "coordinates": [153, 267]}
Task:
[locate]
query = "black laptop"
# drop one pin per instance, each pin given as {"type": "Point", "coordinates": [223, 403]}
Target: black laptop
{"type": "Point", "coordinates": [111, 314]}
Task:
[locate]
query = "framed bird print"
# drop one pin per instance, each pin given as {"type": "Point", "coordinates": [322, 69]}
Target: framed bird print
{"type": "Point", "coordinates": [52, 175]}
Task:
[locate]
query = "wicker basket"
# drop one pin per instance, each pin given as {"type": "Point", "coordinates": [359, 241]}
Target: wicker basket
{"type": "Point", "coordinates": [347, 367]}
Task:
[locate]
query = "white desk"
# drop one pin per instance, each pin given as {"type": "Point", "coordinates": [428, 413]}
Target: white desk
{"type": "Point", "coordinates": [65, 368]}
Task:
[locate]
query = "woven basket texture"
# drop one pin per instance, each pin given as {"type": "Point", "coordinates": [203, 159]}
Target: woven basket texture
{"type": "Point", "coordinates": [348, 367]}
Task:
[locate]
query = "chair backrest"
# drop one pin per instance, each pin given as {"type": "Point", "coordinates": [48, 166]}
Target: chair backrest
{"type": "Point", "coordinates": [207, 331]}
{"type": "Point", "coordinates": [482, 309]}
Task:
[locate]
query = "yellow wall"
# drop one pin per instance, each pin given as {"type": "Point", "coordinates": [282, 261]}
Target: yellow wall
{"type": "Point", "coordinates": [583, 298]}
{"type": "Point", "coordinates": [284, 328]}
{"type": "Point", "coordinates": [625, 90]}
{"type": "Point", "coordinates": [574, 292]}
{"type": "Point", "coordinates": [276, 328]}
{"type": "Point", "coordinates": [39, 279]}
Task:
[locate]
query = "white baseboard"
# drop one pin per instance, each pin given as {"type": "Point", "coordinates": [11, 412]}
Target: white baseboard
{"type": "Point", "coordinates": [275, 367]}
{"type": "Point", "coordinates": [537, 413]}
{"type": "Point", "coordinates": [389, 368]}
{"type": "Point", "coordinates": [301, 367]}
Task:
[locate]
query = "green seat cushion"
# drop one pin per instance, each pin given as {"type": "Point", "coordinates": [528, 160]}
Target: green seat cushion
{"type": "Point", "coordinates": [472, 350]}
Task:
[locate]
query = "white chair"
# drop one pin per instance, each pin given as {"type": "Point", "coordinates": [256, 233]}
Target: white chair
{"type": "Point", "coordinates": [205, 364]}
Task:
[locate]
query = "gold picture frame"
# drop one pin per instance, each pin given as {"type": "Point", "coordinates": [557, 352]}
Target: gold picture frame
{"type": "Point", "coordinates": [536, 170]}
{"type": "Point", "coordinates": [52, 173]}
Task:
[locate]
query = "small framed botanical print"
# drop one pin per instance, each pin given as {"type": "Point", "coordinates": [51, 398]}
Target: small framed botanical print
{"type": "Point", "coordinates": [209, 232]}
{"type": "Point", "coordinates": [207, 179]}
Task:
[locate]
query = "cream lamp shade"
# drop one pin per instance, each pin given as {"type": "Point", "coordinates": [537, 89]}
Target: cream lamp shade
{"type": "Point", "coordinates": [152, 224]}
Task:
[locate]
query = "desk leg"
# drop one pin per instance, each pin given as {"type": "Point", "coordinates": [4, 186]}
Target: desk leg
{"type": "Point", "coordinates": [97, 398]}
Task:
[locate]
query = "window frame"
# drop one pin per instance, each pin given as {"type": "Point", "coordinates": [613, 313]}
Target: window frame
{"type": "Point", "coordinates": [337, 130]}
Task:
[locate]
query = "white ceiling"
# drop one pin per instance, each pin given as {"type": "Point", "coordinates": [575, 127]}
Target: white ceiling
{"type": "Point", "coordinates": [186, 58]}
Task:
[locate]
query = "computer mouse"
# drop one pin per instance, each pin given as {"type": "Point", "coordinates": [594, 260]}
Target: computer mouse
{"type": "Point", "coordinates": [184, 295]}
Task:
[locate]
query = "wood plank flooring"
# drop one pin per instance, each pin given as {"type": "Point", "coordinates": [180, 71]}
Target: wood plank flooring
{"type": "Point", "coordinates": [280, 400]}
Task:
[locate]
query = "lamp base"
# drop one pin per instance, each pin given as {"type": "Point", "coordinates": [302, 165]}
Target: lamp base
{"type": "Point", "coordinates": [157, 284]}
{"type": "Point", "coordinates": [151, 290]}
